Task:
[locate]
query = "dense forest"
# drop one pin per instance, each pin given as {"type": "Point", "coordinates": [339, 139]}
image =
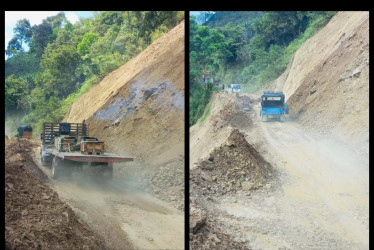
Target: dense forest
{"type": "Point", "coordinates": [64, 60]}
{"type": "Point", "coordinates": [249, 48]}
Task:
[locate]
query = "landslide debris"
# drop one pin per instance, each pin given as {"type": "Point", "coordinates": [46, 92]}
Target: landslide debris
{"type": "Point", "coordinates": [227, 111]}
{"type": "Point", "coordinates": [329, 93]}
{"type": "Point", "coordinates": [206, 234]}
{"type": "Point", "coordinates": [35, 217]}
{"type": "Point", "coordinates": [234, 166]}
{"type": "Point", "coordinates": [166, 183]}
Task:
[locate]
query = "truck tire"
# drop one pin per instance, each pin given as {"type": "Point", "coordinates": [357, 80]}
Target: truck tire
{"type": "Point", "coordinates": [282, 118]}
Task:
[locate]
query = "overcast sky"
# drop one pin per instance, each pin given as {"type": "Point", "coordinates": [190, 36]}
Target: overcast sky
{"type": "Point", "coordinates": [36, 17]}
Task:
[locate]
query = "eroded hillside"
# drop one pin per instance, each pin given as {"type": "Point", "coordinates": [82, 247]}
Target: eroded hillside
{"type": "Point", "coordinates": [327, 86]}
{"type": "Point", "coordinates": [138, 110]}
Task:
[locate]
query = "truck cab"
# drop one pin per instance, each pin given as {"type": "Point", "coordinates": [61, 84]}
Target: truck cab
{"type": "Point", "coordinates": [273, 106]}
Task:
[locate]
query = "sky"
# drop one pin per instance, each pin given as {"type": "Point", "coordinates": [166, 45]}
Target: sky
{"type": "Point", "coordinates": [36, 17]}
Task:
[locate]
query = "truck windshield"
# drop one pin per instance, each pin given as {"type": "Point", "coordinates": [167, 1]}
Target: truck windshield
{"type": "Point", "coordinates": [236, 86]}
{"type": "Point", "coordinates": [272, 101]}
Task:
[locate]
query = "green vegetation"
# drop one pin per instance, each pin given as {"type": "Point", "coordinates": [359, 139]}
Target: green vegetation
{"type": "Point", "coordinates": [205, 114]}
{"type": "Point", "coordinates": [248, 48]}
{"type": "Point", "coordinates": [65, 60]}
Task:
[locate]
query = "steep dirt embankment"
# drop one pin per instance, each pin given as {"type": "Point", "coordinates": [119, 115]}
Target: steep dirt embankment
{"type": "Point", "coordinates": [138, 110]}
{"type": "Point", "coordinates": [223, 116]}
{"type": "Point", "coordinates": [35, 217]}
{"type": "Point", "coordinates": [327, 87]}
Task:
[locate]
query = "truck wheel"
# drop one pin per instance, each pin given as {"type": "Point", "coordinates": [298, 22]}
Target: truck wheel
{"type": "Point", "coordinates": [281, 118]}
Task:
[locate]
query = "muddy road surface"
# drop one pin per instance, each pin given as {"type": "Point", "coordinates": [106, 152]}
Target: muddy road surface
{"type": "Point", "coordinates": [124, 214]}
{"type": "Point", "coordinates": [322, 197]}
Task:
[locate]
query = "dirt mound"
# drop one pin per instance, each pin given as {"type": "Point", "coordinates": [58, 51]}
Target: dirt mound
{"type": "Point", "coordinates": [329, 93]}
{"type": "Point", "coordinates": [233, 166]}
{"type": "Point", "coordinates": [227, 111]}
{"type": "Point", "coordinates": [35, 217]}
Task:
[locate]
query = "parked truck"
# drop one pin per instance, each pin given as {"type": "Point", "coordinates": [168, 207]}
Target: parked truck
{"type": "Point", "coordinates": [67, 147]}
{"type": "Point", "coordinates": [273, 106]}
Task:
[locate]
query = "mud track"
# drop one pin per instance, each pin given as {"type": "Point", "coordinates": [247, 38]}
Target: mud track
{"type": "Point", "coordinates": [125, 215]}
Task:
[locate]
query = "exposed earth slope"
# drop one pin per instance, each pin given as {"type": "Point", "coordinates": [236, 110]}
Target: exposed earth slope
{"type": "Point", "coordinates": [138, 110]}
{"type": "Point", "coordinates": [327, 87]}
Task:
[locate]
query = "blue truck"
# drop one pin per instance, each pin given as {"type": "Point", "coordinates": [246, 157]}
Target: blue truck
{"type": "Point", "coordinates": [273, 106]}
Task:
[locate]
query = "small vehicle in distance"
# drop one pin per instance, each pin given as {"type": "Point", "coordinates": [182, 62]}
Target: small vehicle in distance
{"type": "Point", "coordinates": [234, 88]}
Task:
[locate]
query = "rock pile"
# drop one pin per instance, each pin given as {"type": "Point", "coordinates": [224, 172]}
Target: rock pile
{"type": "Point", "coordinates": [206, 234]}
{"type": "Point", "coordinates": [167, 183]}
{"type": "Point", "coordinates": [234, 166]}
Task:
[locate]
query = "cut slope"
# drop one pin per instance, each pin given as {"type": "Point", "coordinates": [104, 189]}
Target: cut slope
{"type": "Point", "coordinates": [138, 109]}
{"type": "Point", "coordinates": [327, 87]}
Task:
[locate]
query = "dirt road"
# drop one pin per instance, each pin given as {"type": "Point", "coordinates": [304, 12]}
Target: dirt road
{"type": "Point", "coordinates": [322, 201]}
{"type": "Point", "coordinates": [126, 216]}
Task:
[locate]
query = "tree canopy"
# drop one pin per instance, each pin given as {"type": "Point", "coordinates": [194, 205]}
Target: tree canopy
{"type": "Point", "coordinates": [64, 59]}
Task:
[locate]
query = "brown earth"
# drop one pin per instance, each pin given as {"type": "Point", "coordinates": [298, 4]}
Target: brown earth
{"type": "Point", "coordinates": [205, 233]}
{"type": "Point", "coordinates": [35, 217]}
{"type": "Point", "coordinates": [327, 84]}
{"type": "Point", "coordinates": [138, 110]}
{"type": "Point", "coordinates": [235, 166]}
{"type": "Point", "coordinates": [213, 132]}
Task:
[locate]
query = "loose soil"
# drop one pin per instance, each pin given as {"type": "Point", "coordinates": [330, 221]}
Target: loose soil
{"type": "Point", "coordinates": [35, 217]}
{"type": "Point", "coordinates": [329, 93]}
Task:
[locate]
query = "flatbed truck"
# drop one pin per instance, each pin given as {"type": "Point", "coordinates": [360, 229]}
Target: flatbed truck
{"type": "Point", "coordinates": [66, 147]}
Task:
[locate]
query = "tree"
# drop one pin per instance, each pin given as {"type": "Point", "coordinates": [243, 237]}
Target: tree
{"type": "Point", "coordinates": [87, 41]}
{"type": "Point", "coordinates": [40, 37]}
{"type": "Point", "coordinates": [23, 31]}
{"type": "Point", "coordinates": [14, 46]}
{"type": "Point", "coordinates": [205, 16]}
{"type": "Point", "coordinates": [15, 88]}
